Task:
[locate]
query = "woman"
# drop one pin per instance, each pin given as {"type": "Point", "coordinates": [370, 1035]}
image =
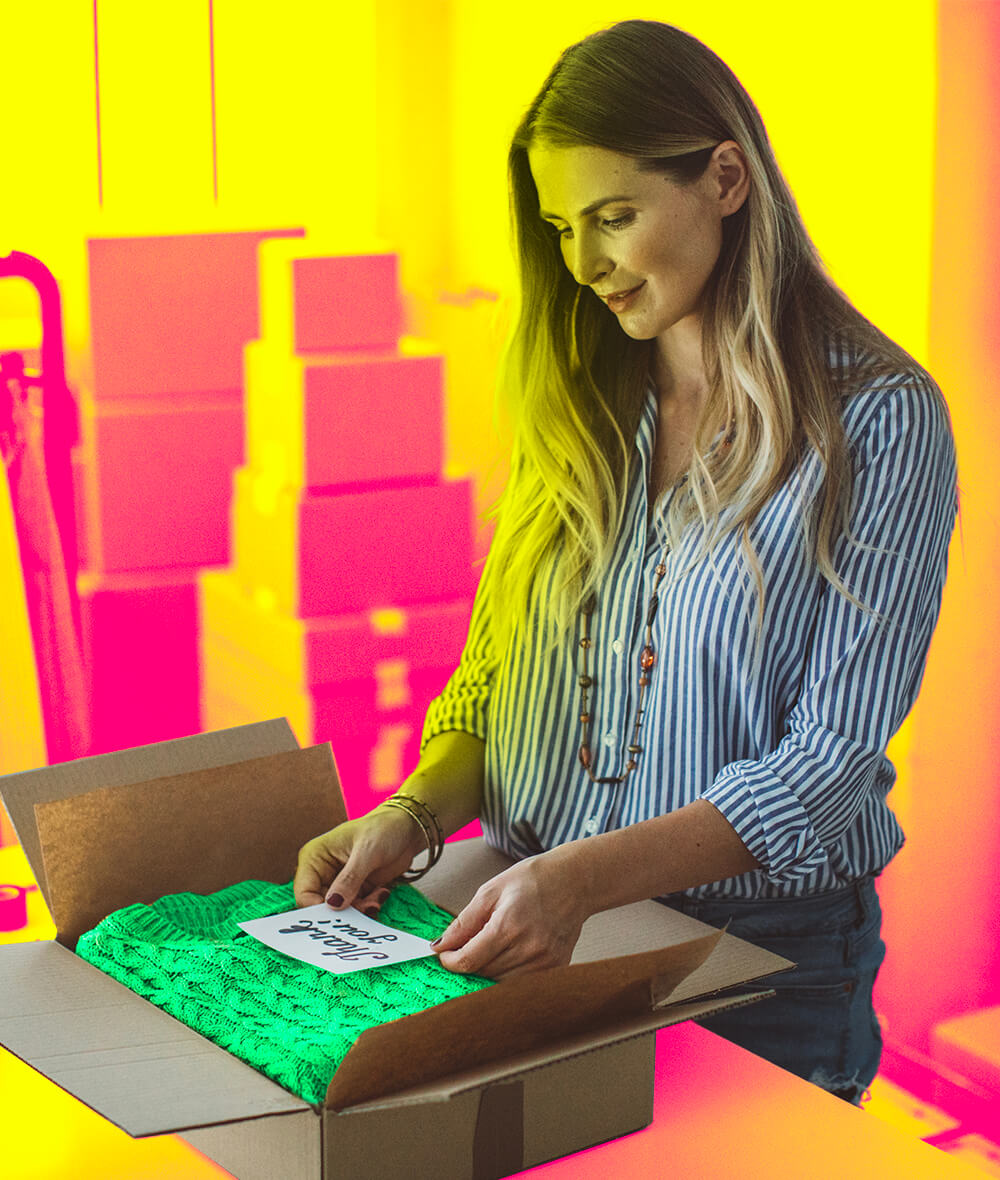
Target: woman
{"type": "Point", "coordinates": [717, 567]}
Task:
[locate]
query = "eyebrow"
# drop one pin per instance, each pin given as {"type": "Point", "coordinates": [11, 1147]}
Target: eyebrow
{"type": "Point", "coordinates": [592, 208]}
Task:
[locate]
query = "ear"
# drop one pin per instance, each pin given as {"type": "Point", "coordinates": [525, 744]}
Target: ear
{"type": "Point", "coordinates": [730, 175]}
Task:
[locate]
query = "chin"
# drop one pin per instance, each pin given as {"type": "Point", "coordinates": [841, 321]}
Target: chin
{"type": "Point", "coordinates": [638, 332]}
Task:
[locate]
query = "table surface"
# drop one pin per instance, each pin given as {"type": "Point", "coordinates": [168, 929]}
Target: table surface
{"type": "Point", "coordinates": [720, 1113]}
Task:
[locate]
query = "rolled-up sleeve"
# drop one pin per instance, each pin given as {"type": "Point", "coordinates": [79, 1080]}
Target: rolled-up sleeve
{"type": "Point", "coordinates": [862, 673]}
{"type": "Point", "coordinates": [464, 703]}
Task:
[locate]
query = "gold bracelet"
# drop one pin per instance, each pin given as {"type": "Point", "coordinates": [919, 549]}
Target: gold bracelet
{"type": "Point", "coordinates": [433, 848]}
{"type": "Point", "coordinates": [427, 812]}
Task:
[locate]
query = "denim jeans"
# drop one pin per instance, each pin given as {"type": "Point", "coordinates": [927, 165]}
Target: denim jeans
{"type": "Point", "coordinates": [821, 1024]}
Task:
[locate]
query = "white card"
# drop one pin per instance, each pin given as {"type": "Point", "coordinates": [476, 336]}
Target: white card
{"type": "Point", "coordinates": [337, 940]}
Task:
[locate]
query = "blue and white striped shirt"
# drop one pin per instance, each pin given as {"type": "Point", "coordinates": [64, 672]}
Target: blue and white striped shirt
{"type": "Point", "coordinates": [790, 748]}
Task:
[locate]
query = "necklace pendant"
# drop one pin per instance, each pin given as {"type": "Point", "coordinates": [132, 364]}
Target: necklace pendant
{"type": "Point", "coordinates": [647, 658]}
{"type": "Point", "coordinates": [585, 756]}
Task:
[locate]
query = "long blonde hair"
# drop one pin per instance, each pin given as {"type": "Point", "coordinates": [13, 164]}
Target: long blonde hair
{"type": "Point", "coordinates": [575, 383]}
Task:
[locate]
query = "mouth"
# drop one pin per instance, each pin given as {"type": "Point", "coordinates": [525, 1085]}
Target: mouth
{"type": "Point", "coordinates": [618, 300]}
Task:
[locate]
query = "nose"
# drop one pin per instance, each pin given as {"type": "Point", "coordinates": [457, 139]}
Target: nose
{"type": "Point", "coordinates": [586, 263]}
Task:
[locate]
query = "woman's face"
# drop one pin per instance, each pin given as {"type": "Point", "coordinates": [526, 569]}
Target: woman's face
{"type": "Point", "coordinates": [622, 229]}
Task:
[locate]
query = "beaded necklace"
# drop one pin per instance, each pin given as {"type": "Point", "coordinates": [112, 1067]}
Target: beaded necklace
{"type": "Point", "coordinates": [647, 659]}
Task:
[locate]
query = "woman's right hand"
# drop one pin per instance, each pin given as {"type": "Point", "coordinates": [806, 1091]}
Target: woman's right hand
{"type": "Point", "coordinates": [353, 863]}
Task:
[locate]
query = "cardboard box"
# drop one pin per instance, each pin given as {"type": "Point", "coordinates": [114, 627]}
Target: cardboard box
{"type": "Point", "coordinates": [344, 418]}
{"type": "Point", "coordinates": [480, 1087]}
{"type": "Point", "coordinates": [155, 481]}
{"type": "Point", "coordinates": [318, 296]}
{"type": "Point", "coordinates": [170, 314]}
{"type": "Point", "coordinates": [140, 650]}
{"type": "Point", "coordinates": [344, 552]}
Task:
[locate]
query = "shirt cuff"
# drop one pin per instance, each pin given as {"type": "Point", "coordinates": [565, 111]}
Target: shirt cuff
{"type": "Point", "coordinates": [769, 819]}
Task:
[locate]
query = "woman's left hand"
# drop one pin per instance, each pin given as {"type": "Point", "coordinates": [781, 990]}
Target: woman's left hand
{"type": "Point", "coordinates": [526, 918]}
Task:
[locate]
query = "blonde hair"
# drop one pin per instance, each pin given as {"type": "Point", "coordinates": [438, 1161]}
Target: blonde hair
{"type": "Point", "coordinates": [576, 383]}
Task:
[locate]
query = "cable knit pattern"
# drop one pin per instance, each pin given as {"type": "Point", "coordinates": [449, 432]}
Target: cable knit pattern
{"type": "Point", "coordinates": [292, 1021]}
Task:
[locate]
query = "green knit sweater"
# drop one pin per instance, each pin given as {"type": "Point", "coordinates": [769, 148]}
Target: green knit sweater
{"type": "Point", "coordinates": [292, 1021]}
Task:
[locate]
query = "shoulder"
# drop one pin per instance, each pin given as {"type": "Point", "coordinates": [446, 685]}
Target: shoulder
{"type": "Point", "coordinates": [892, 407]}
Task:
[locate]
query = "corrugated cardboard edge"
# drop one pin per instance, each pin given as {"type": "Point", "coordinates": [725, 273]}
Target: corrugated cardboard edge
{"type": "Point", "coordinates": [20, 792]}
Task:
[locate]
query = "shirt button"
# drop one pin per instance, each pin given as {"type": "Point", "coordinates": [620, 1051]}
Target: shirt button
{"type": "Point", "coordinates": [592, 825]}
{"type": "Point", "coordinates": [618, 647]}
{"type": "Point", "coordinates": [609, 738]}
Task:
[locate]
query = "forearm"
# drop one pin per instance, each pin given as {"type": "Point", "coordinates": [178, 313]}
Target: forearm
{"type": "Point", "coordinates": [449, 778]}
{"type": "Point", "coordinates": [692, 846]}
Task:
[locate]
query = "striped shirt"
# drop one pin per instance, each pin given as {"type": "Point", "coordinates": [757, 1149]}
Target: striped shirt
{"type": "Point", "coordinates": [790, 746]}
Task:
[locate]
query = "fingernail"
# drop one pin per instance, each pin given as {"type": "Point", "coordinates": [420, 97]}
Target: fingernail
{"type": "Point", "coordinates": [372, 911]}
{"type": "Point", "coordinates": [382, 895]}
{"type": "Point", "coordinates": [436, 941]}
{"type": "Point", "coordinates": [334, 899]}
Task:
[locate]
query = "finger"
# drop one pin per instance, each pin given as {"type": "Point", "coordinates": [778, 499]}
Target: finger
{"type": "Point", "coordinates": [372, 900]}
{"type": "Point", "coordinates": [350, 883]}
{"type": "Point", "coordinates": [476, 953]}
{"type": "Point", "coordinates": [467, 925]}
{"type": "Point", "coordinates": [312, 873]}
{"type": "Point", "coordinates": [512, 960]}
{"type": "Point", "coordinates": [308, 888]}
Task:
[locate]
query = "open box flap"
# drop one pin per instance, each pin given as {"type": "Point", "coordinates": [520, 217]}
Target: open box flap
{"type": "Point", "coordinates": [196, 832]}
{"type": "Point", "coordinates": [515, 1016]}
{"type": "Point", "coordinates": [134, 1064]}
{"type": "Point", "coordinates": [20, 792]}
{"type": "Point", "coordinates": [566, 1047]}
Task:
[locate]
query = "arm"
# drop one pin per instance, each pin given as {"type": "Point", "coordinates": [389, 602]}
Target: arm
{"type": "Point", "coordinates": [530, 916]}
{"type": "Point", "coordinates": [782, 812]}
{"type": "Point", "coordinates": [862, 672]}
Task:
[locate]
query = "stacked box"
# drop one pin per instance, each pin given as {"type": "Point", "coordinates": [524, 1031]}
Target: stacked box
{"type": "Point", "coordinates": [305, 416]}
{"type": "Point", "coordinates": [347, 551]}
{"type": "Point", "coordinates": [140, 650]}
{"type": "Point", "coordinates": [348, 600]}
{"type": "Point", "coordinates": [156, 482]}
{"type": "Point", "coordinates": [162, 433]}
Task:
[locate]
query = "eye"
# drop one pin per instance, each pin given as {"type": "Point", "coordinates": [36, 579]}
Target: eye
{"type": "Point", "coordinates": [613, 223]}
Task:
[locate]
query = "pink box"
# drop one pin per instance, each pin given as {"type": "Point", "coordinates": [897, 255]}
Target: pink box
{"type": "Point", "coordinates": [347, 418]}
{"type": "Point", "coordinates": [350, 301]}
{"type": "Point", "coordinates": [155, 482]}
{"type": "Point", "coordinates": [339, 553]}
{"type": "Point", "coordinates": [170, 314]}
{"type": "Point", "coordinates": [140, 643]}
